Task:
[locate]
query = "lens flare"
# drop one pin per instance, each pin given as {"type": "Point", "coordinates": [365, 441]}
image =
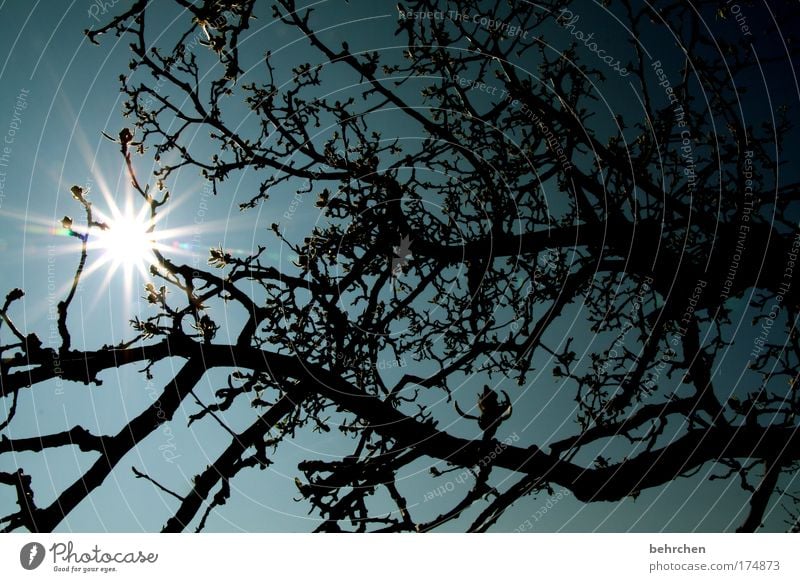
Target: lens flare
{"type": "Point", "coordinates": [127, 243]}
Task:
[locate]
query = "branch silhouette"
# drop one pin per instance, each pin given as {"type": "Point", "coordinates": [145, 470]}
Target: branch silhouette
{"type": "Point", "coordinates": [501, 227]}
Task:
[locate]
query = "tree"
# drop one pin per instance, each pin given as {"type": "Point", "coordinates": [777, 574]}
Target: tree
{"type": "Point", "coordinates": [503, 206]}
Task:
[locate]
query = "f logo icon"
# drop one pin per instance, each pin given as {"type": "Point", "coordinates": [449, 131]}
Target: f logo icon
{"type": "Point", "coordinates": [31, 555]}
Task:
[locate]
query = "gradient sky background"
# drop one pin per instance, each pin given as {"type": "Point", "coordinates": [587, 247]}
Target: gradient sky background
{"type": "Point", "coordinates": [71, 92]}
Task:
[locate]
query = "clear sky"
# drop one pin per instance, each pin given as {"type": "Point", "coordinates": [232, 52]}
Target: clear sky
{"type": "Point", "coordinates": [58, 93]}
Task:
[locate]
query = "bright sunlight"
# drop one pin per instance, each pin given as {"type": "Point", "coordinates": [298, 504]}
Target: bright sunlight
{"type": "Point", "coordinates": [126, 244]}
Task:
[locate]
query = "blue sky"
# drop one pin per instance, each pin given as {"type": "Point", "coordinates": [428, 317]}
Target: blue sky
{"type": "Point", "coordinates": [70, 94]}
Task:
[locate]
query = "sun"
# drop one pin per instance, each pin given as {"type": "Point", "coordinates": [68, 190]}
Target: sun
{"type": "Point", "coordinates": [128, 242]}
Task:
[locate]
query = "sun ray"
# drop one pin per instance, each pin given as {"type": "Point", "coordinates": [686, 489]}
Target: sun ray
{"type": "Point", "coordinates": [120, 257]}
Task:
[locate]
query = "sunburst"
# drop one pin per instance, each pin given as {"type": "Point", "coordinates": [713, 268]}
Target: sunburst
{"type": "Point", "coordinates": [128, 242]}
{"type": "Point", "coordinates": [121, 258]}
